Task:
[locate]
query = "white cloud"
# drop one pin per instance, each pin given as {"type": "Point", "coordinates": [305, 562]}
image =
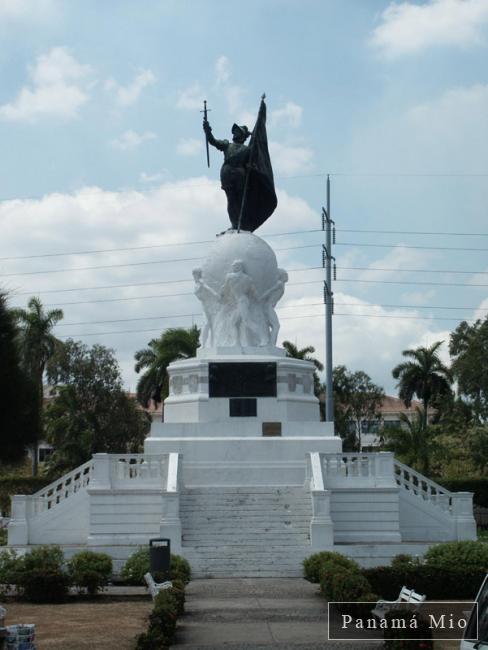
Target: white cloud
{"type": "Point", "coordinates": [59, 87]}
{"type": "Point", "coordinates": [289, 115]}
{"type": "Point", "coordinates": [408, 28]}
{"type": "Point", "coordinates": [26, 9]}
{"type": "Point", "coordinates": [156, 177]}
{"type": "Point", "coordinates": [189, 147]}
{"type": "Point", "coordinates": [130, 139]}
{"type": "Point", "coordinates": [191, 98]}
{"type": "Point", "coordinates": [482, 311]}
{"type": "Point", "coordinates": [288, 159]}
{"type": "Point", "coordinates": [128, 95]}
{"type": "Point", "coordinates": [445, 134]}
{"type": "Point", "coordinates": [222, 69]}
{"type": "Point", "coordinates": [191, 210]}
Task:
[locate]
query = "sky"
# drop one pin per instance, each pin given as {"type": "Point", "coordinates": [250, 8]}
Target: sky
{"type": "Point", "coordinates": [106, 201]}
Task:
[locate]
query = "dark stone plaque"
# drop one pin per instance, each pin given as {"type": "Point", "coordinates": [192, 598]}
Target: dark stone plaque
{"type": "Point", "coordinates": [243, 407]}
{"type": "Point", "coordinates": [242, 379]}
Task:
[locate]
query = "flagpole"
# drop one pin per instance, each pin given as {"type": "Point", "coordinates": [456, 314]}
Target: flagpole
{"type": "Point", "coordinates": [246, 182]}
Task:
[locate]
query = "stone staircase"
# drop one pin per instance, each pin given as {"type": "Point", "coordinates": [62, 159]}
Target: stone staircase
{"type": "Point", "coordinates": [246, 531]}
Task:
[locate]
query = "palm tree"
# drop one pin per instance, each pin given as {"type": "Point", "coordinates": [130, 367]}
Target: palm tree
{"type": "Point", "coordinates": [37, 345]}
{"type": "Point", "coordinates": [414, 443]}
{"type": "Point", "coordinates": [175, 343]}
{"type": "Point", "coordinates": [295, 352]}
{"type": "Point", "coordinates": [424, 376]}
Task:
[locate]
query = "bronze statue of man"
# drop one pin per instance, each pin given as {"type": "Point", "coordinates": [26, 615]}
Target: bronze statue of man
{"type": "Point", "coordinates": [246, 175]}
{"type": "Point", "coordinates": [233, 171]}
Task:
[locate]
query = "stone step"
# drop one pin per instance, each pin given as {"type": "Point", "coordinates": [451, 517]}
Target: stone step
{"type": "Point", "coordinates": [234, 516]}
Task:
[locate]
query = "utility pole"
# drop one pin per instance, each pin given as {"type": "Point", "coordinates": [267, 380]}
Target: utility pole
{"type": "Point", "coordinates": [329, 227]}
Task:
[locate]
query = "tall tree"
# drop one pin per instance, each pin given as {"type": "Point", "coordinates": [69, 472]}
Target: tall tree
{"type": "Point", "coordinates": [295, 352]}
{"type": "Point", "coordinates": [18, 395]}
{"type": "Point", "coordinates": [37, 346]}
{"type": "Point", "coordinates": [357, 399]}
{"type": "Point", "coordinates": [468, 346]}
{"type": "Point", "coordinates": [175, 343]}
{"type": "Point", "coordinates": [413, 442]}
{"type": "Point", "coordinates": [424, 375]}
{"type": "Point", "coordinates": [91, 413]}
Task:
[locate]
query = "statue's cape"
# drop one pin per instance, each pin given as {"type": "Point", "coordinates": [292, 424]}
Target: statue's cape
{"type": "Point", "coordinates": [260, 199]}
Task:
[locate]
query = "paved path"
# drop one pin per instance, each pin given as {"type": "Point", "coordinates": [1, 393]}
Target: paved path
{"type": "Point", "coordinates": [255, 613]}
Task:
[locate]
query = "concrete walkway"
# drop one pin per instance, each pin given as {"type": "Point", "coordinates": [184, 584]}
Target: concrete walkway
{"type": "Point", "coordinates": [255, 613]}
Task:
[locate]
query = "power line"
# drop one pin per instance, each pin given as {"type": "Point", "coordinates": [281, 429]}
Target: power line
{"type": "Point", "coordinates": [434, 284]}
{"type": "Point", "coordinates": [116, 266]}
{"type": "Point", "coordinates": [138, 248]}
{"type": "Point", "coordinates": [321, 315]}
{"type": "Point", "coordinates": [368, 268]}
{"type": "Point", "coordinates": [415, 174]}
{"type": "Point", "coordinates": [413, 232]}
{"type": "Point", "coordinates": [134, 284]}
{"type": "Point", "coordinates": [428, 248]}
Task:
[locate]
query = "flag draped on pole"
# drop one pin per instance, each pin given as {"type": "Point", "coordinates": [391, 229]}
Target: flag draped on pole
{"type": "Point", "coordinates": [259, 198]}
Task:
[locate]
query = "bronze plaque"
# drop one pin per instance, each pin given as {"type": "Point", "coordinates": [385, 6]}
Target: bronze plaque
{"type": "Point", "coordinates": [271, 428]}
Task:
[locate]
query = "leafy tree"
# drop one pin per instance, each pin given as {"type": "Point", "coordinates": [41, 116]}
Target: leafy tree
{"type": "Point", "coordinates": [468, 346]}
{"type": "Point", "coordinates": [414, 444]}
{"type": "Point", "coordinates": [305, 354]}
{"type": "Point", "coordinates": [424, 375]}
{"type": "Point", "coordinates": [37, 345]}
{"type": "Point", "coordinates": [478, 446]}
{"type": "Point", "coordinates": [19, 401]}
{"type": "Point", "coordinates": [91, 412]}
{"type": "Point", "coordinates": [175, 343]}
{"type": "Point", "coordinates": [356, 399]}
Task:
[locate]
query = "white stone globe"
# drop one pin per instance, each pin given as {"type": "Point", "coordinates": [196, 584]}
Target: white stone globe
{"type": "Point", "coordinates": [257, 256]}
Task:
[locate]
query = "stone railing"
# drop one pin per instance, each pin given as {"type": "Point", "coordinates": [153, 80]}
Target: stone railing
{"type": "Point", "coordinates": [137, 468]}
{"type": "Point", "coordinates": [61, 489]}
{"type": "Point", "coordinates": [362, 470]}
{"type": "Point", "coordinates": [112, 473]}
{"type": "Point", "coordinates": [428, 490]}
{"type": "Point", "coordinates": [321, 526]}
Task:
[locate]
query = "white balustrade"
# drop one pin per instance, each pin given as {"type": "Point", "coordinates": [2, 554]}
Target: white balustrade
{"type": "Point", "coordinates": [362, 470]}
{"type": "Point", "coordinates": [137, 469]}
{"type": "Point", "coordinates": [423, 487]}
{"type": "Point", "coordinates": [61, 489]}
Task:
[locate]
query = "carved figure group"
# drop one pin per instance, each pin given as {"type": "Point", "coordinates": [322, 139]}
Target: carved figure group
{"type": "Point", "coordinates": [236, 315]}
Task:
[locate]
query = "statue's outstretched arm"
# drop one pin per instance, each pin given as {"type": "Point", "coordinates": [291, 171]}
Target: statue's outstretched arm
{"type": "Point", "coordinates": [218, 144]}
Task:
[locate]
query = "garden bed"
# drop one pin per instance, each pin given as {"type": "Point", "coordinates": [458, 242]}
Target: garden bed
{"type": "Point", "coordinates": [105, 622]}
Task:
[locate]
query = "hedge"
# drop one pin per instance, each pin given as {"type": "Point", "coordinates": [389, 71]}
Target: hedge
{"type": "Point", "coordinates": [477, 485]}
{"type": "Point", "coordinates": [168, 605]}
{"type": "Point", "coordinates": [11, 485]}
{"type": "Point", "coordinates": [437, 583]}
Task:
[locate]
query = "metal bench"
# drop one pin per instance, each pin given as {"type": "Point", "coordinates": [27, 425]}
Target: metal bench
{"type": "Point", "coordinates": [156, 587]}
{"type": "Point", "coordinates": [406, 596]}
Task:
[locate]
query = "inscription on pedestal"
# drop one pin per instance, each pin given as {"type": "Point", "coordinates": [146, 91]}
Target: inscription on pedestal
{"type": "Point", "coordinates": [242, 379]}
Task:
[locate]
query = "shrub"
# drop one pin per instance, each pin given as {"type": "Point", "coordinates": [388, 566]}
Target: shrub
{"type": "Point", "coordinates": [477, 485]}
{"type": "Point", "coordinates": [90, 571]}
{"type": "Point", "coordinates": [345, 585]}
{"type": "Point", "coordinates": [468, 555]}
{"type": "Point", "coordinates": [404, 561]}
{"type": "Point", "coordinates": [313, 564]}
{"type": "Point", "coordinates": [47, 558]}
{"type": "Point", "coordinates": [395, 640]}
{"type": "Point", "coordinates": [40, 576]}
{"type": "Point", "coordinates": [180, 569]}
{"type": "Point", "coordinates": [10, 485]}
{"type": "Point", "coordinates": [44, 585]}
{"type": "Point", "coordinates": [9, 567]}
{"type": "Point", "coordinates": [436, 583]}
{"type": "Point", "coordinates": [162, 621]}
{"type": "Point", "coordinates": [3, 536]}
{"type": "Point", "coordinates": [138, 564]}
